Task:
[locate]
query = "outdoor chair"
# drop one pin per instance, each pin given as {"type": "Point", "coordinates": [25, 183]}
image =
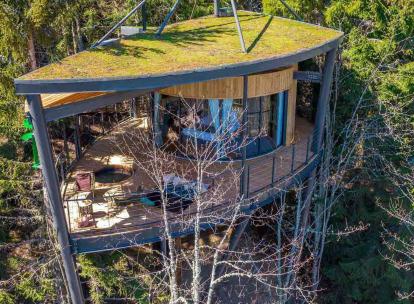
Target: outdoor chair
{"type": "Point", "coordinates": [85, 182]}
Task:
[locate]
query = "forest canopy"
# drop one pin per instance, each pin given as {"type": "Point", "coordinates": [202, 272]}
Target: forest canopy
{"type": "Point", "coordinates": [374, 82]}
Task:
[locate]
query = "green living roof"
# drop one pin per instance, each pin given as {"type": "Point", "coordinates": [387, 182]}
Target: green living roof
{"type": "Point", "coordinates": [189, 45]}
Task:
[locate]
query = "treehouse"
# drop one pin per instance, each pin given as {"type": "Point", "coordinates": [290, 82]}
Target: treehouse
{"type": "Point", "coordinates": [203, 83]}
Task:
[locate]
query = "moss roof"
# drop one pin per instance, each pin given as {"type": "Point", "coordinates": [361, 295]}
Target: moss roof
{"type": "Point", "coordinates": [189, 45]}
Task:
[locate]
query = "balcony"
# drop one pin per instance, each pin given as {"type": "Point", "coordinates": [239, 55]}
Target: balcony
{"type": "Point", "coordinates": [123, 202]}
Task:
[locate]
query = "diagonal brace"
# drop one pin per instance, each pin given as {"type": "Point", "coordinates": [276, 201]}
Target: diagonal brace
{"type": "Point", "coordinates": [167, 18]}
{"type": "Point", "coordinates": [236, 17]}
{"type": "Point", "coordinates": [291, 10]}
{"type": "Point", "coordinates": [119, 24]}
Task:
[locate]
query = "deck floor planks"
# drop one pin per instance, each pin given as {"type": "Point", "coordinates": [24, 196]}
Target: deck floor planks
{"type": "Point", "coordinates": [137, 216]}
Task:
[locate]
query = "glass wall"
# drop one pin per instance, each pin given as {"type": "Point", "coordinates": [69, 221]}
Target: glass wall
{"type": "Point", "coordinates": [217, 124]}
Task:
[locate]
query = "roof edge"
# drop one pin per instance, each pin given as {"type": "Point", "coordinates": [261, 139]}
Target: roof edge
{"type": "Point", "coordinates": [154, 81]}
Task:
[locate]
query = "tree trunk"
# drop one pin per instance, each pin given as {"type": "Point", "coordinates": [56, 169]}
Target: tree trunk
{"type": "Point", "coordinates": [31, 51]}
{"type": "Point", "coordinates": [81, 46]}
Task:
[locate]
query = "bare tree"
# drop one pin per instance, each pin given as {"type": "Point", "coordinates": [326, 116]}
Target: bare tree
{"type": "Point", "coordinates": [215, 205]}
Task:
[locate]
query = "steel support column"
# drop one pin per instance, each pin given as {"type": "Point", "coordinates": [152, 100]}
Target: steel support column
{"type": "Point", "coordinates": [243, 178]}
{"type": "Point", "coordinates": [55, 199]}
{"type": "Point", "coordinates": [233, 242]}
{"type": "Point", "coordinates": [324, 95]}
{"type": "Point", "coordinates": [156, 119]}
{"type": "Point", "coordinates": [144, 17]}
{"type": "Point", "coordinates": [217, 8]}
{"type": "Point", "coordinates": [77, 138]}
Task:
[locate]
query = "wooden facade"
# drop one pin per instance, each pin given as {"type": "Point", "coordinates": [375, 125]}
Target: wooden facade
{"type": "Point", "coordinates": [232, 87]}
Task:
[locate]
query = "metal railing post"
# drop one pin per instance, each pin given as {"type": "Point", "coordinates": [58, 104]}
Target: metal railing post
{"type": "Point", "coordinates": [292, 167]}
{"type": "Point", "coordinates": [248, 181]}
{"type": "Point", "coordinates": [273, 169]}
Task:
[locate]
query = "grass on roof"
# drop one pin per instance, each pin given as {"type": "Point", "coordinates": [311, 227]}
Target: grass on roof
{"type": "Point", "coordinates": [192, 44]}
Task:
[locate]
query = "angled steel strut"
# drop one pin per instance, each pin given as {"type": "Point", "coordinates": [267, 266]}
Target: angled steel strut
{"type": "Point", "coordinates": [233, 6]}
{"type": "Point", "coordinates": [119, 24]}
{"type": "Point", "coordinates": [167, 18]}
{"type": "Point", "coordinates": [291, 10]}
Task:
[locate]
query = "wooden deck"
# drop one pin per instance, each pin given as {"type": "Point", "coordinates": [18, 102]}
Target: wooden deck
{"type": "Point", "coordinates": [108, 217]}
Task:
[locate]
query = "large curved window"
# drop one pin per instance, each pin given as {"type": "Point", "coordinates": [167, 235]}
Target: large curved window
{"type": "Point", "coordinates": [188, 124]}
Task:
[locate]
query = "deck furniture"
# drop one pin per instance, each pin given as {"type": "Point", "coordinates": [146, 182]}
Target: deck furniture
{"type": "Point", "coordinates": [112, 195]}
{"type": "Point", "coordinates": [85, 210]}
{"type": "Point", "coordinates": [85, 182]}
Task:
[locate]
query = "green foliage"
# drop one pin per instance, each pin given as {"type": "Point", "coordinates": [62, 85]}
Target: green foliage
{"type": "Point", "coordinates": [36, 291]}
{"type": "Point", "coordinates": [354, 265]}
{"type": "Point", "coordinates": [6, 298]}
{"type": "Point", "coordinates": [117, 279]}
{"type": "Point", "coordinates": [376, 71]}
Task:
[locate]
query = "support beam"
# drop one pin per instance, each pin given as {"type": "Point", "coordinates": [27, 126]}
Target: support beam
{"type": "Point", "coordinates": [55, 199]}
{"type": "Point", "coordinates": [118, 24]}
{"type": "Point", "coordinates": [233, 242]}
{"type": "Point", "coordinates": [156, 119]}
{"type": "Point", "coordinates": [167, 18]}
{"type": "Point", "coordinates": [77, 138]}
{"type": "Point", "coordinates": [90, 104]}
{"type": "Point", "coordinates": [308, 76]}
{"type": "Point", "coordinates": [324, 96]}
{"type": "Point", "coordinates": [236, 18]}
{"type": "Point", "coordinates": [244, 176]}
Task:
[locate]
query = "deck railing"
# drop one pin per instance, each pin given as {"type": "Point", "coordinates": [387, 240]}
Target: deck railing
{"type": "Point", "coordinates": [261, 179]}
{"type": "Point", "coordinates": [296, 156]}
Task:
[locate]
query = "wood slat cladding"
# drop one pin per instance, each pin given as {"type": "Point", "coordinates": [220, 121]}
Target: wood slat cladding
{"type": "Point", "coordinates": [259, 85]}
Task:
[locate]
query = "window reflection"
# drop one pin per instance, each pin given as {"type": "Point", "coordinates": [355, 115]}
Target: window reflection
{"type": "Point", "coordinates": [217, 124]}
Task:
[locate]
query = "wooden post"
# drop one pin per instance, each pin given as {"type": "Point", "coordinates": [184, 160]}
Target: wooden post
{"type": "Point", "coordinates": [54, 196]}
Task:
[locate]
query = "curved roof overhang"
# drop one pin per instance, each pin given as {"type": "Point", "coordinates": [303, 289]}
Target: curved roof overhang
{"type": "Point", "coordinates": [157, 81]}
